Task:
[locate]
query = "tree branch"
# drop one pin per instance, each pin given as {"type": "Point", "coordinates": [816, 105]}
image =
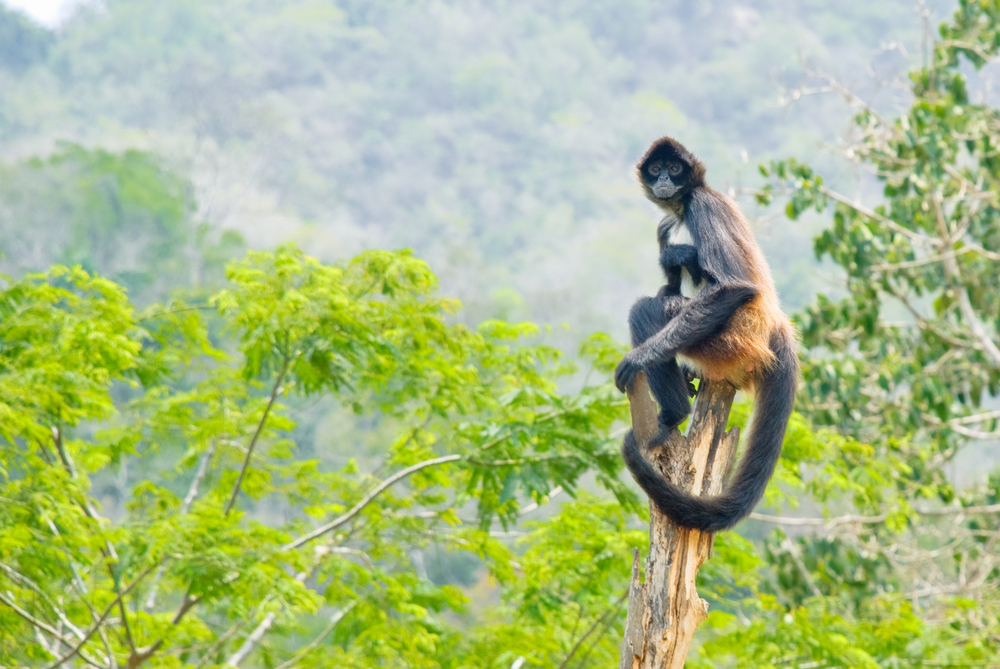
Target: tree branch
{"type": "Point", "coordinates": [275, 391]}
{"type": "Point", "coordinates": [923, 240]}
{"type": "Point", "coordinates": [965, 304]}
{"type": "Point", "coordinates": [100, 620]}
{"type": "Point", "coordinates": [334, 524]}
{"type": "Point", "coordinates": [337, 616]}
{"type": "Point", "coordinates": [31, 585]}
{"type": "Point", "coordinates": [51, 631]}
{"type": "Point", "coordinates": [793, 550]}
{"type": "Point", "coordinates": [590, 630]}
{"type": "Point", "coordinates": [827, 523]}
{"type": "Point", "coordinates": [258, 633]}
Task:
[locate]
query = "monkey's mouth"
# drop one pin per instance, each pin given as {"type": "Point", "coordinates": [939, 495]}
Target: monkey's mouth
{"type": "Point", "coordinates": [664, 191]}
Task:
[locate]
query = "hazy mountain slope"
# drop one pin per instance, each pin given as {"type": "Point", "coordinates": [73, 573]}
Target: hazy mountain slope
{"type": "Point", "coordinates": [494, 137]}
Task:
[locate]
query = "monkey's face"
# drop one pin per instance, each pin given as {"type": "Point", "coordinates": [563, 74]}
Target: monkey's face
{"type": "Point", "coordinates": [668, 173]}
{"type": "Point", "coordinates": [666, 178]}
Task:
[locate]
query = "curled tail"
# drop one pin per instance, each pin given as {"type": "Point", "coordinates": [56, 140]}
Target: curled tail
{"type": "Point", "coordinates": [774, 397]}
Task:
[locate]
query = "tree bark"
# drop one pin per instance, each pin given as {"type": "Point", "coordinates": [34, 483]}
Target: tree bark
{"type": "Point", "coordinates": [665, 611]}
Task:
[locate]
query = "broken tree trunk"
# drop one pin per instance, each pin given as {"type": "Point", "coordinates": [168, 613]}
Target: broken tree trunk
{"type": "Point", "coordinates": [664, 613]}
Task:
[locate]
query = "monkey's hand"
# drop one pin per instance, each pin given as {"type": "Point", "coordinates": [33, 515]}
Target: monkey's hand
{"type": "Point", "coordinates": [627, 370]}
{"type": "Point", "coordinates": [671, 289]}
{"type": "Point", "coordinates": [689, 377]}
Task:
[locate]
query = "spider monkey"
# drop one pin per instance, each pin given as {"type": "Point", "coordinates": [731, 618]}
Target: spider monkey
{"type": "Point", "coordinates": [730, 327]}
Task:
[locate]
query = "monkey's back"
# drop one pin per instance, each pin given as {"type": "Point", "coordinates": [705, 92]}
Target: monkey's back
{"type": "Point", "coordinates": [743, 350]}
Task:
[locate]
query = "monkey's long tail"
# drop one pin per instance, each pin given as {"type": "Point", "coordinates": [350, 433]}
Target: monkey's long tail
{"type": "Point", "coordinates": [775, 395]}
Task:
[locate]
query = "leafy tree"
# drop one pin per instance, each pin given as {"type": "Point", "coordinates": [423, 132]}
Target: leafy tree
{"type": "Point", "coordinates": [235, 544]}
{"type": "Point", "coordinates": [907, 361]}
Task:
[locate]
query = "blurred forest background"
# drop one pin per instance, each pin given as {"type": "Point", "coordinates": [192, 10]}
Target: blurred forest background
{"type": "Point", "coordinates": [495, 139]}
{"type": "Point", "coordinates": [241, 425]}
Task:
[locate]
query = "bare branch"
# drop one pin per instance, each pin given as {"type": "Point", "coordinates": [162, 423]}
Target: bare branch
{"type": "Point", "coordinates": [258, 633]}
{"type": "Point", "coordinates": [334, 524]}
{"type": "Point", "coordinates": [960, 510]}
{"type": "Point", "coordinates": [937, 257]}
{"type": "Point", "coordinates": [534, 505]}
{"type": "Point", "coordinates": [829, 523]}
{"type": "Point", "coordinates": [826, 523]}
{"type": "Point", "coordinates": [966, 46]}
{"type": "Point", "coordinates": [611, 609]}
{"type": "Point", "coordinates": [31, 585]}
{"type": "Point", "coordinates": [51, 631]}
{"type": "Point", "coordinates": [252, 640]}
{"type": "Point", "coordinates": [952, 269]}
{"type": "Point", "coordinates": [210, 654]}
{"type": "Point", "coordinates": [921, 239]}
{"type": "Point", "coordinates": [928, 325]}
{"type": "Point", "coordinates": [793, 551]}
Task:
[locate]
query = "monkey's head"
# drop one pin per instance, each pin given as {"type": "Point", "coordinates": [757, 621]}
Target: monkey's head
{"type": "Point", "coordinates": [669, 172]}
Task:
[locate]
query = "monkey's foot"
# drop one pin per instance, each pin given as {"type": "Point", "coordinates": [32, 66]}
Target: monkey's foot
{"type": "Point", "coordinates": [667, 428]}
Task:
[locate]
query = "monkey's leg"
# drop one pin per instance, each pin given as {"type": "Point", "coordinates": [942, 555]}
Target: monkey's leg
{"type": "Point", "coordinates": [666, 379]}
{"type": "Point", "coordinates": [703, 317]}
{"type": "Point", "coordinates": [700, 318]}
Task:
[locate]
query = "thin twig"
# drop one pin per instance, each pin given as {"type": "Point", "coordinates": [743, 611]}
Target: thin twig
{"type": "Point", "coordinates": [48, 629]}
{"type": "Point", "coordinates": [101, 619]}
{"type": "Point", "coordinates": [821, 522]}
{"type": "Point", "coordinates": [793, 551]}
{"type": "Point", "coordinates": [258, 633]}
{"type": "Point", "coordinates": [960, 510]}
{"type": "Point", "coordinates": [31, 585]}
{"type": "Point", "coordinates": [337, 616]}
{"type": "Point", "coordinates": [870, 213]}
{"type": "Point", "coordinates": [611, 609]}
{"type": "Point", "coordinates": [909, 264]}
{"type": "Point", "coordinates": [871, 520]}
{"type": "Point", "coordinates": [253, 441]}
{"type": "Point", "coordinates": [965, 304]}
{"type": "Point", "coordinates": [334, 524]}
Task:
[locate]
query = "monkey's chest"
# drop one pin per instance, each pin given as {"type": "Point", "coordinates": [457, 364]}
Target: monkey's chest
{"type": "Point", "coordinates": [688, 287]}
{"type": "Point", "coordinates": [679, 234]}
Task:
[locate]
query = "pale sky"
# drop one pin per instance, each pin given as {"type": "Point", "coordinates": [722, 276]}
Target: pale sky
{"type": "Point", "coordinates": [46, 12]}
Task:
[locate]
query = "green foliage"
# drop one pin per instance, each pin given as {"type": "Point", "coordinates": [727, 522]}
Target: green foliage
{"type": "Point", "coordinates": [904, 368]}
{"type": "Point", "coordinates": [167, 457]}
{"type": "Point", "coordinates": [569, 605]}
{"type": "Point", "coordinates": [899, 355]}
{"type": "Point", "coordinates": [88, 387]}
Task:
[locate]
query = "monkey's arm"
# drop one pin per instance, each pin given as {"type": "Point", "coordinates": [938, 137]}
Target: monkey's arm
{"type": "Point", "coordinates": [703, 317]}
{"type": "Point", "coordinates": [673, 257]}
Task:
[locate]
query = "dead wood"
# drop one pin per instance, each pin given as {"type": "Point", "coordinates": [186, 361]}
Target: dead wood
{"type": "Point", "coordinates": [665, 611]}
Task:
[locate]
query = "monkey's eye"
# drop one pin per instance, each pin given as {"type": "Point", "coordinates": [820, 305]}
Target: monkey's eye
{"type": "Point", "coordinates": [654, 169]}
{"type": "Point", "coordinates": [674, 169]}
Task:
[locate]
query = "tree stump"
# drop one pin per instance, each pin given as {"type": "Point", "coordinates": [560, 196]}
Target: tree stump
{"type": "Point", "coordinates": [664, 613]}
